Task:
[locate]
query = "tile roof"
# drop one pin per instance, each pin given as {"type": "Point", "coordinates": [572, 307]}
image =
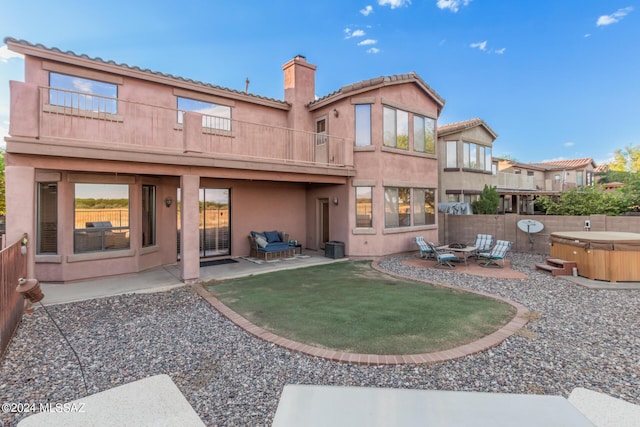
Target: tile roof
{"type": "Point", "coordinates": [466, 124]}
{"type": "Point", "coordinates": [98, 60]}
{"type": "Point", "coordinates": [568, 164]}
{"type": "Point", "coordinates": [377, 82]}
{"type": "Point", "coordinates": [602, 168]}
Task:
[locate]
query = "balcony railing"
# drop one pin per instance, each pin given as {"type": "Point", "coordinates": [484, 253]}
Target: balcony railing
{"type": "Point", "coordinates": [76, 116]}
{"type": "Point", "coordinates": [514, 181]}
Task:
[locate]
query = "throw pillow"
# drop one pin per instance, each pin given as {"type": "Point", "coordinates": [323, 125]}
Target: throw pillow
{"type": "Point", "coordinates": [261, 242]}
{"type": "Point", "coordinates": [272, 236]}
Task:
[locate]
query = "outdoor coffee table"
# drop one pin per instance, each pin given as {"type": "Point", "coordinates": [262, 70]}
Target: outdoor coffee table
{"type": "Point", "coordinates": [465, 252]}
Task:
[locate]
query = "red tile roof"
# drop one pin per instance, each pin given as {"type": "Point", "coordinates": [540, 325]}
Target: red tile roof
{"type": "Point", "coordinates": [568, 164]}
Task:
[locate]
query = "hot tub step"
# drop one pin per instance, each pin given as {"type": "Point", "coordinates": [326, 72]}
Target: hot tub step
{"type": "Point", "coordinates": [557, 267]}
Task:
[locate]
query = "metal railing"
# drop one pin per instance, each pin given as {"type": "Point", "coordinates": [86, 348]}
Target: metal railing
{"type": "Point", "coordinates": [76, 116]}
{"type": "Point", "coordinates": [13, 265]}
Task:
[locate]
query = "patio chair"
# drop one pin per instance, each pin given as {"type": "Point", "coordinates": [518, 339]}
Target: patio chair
{"type": "Point", "coordinates": [423, 248]}
{"type": "Point", "coordinates": [497, 253]}
{"type": "Point", "coordinates": [443, 259]}
{"type": "Point", "coordinates": [483, 242]}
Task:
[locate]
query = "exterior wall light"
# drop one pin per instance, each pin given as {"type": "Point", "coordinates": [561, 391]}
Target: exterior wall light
{"type": "Point", "coordinates": [336, 113]}
{"type": "Point", "coordinates": [336, 201]}
{"type": "Point", "coordinates": [168, 201]}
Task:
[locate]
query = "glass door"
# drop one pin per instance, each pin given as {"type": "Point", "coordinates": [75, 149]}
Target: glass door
{"type": "Point", "coordinates": [214, 222]}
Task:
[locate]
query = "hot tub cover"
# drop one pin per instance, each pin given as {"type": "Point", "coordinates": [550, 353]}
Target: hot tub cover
{"type": "Point", "coordinates": [608, 240]}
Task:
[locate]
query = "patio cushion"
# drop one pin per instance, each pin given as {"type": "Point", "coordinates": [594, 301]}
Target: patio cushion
{"type": "Point", "coordinates": [272, 236]}
{"type": "Point", "coordinates": [261, 241]}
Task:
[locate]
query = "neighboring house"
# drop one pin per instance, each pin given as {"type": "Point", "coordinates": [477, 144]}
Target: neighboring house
{"type": "Point", "coordinates": [538, 179]}
{"type": "Point", "coordinates": [465, 160]}
{"type": "Point", "coordinates": [113, 169]}
{"type": "Point", "coordinates": [562, 175]}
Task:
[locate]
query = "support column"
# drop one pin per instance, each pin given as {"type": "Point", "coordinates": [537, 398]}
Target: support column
{"type": "Point", "coordinates": [20, 196]}
{"type": "Point", "coordinates": [189, 228]}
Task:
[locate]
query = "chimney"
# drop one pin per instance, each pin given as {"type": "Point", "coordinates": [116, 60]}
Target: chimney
{"type": "Point", "coordinates": [299, 90]}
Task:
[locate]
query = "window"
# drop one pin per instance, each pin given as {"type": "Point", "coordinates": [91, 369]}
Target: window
{"type": "Point", "coordinates": [214, 116]}
{"type": "Point", "coordinates": [398, 209]}
{"type": "Point", "coordinates": [82, 94]}
{"type": "Point", "coordinates": [363, 125]}
{"type": "Point", "coordinates": [517, 171]}
{"type": "Point", "coordinates": [321, 131]}
{"type": "Point", "coordinates": [364, 205]}
{"type": "Point", "coordinates": [476, 156]}
{"type": "Point", "coordinates": [579, 179]}
{"type": "Point", "coordinates": [451, 198]}
{"type": "Point", "coordinates": [530, 173]}
{"type": "Point", "coordinates": [47, 211]}
{"type": "Point", "coordinates": [395, 128]}
{"type": "Point", "coordinates": [148, 215]}
{"type": "Point", "coordinates": [452, 154]}
{"type": "Point", "coordinates": [101, 217]}
{"type": "Point", "coordinates": [424, 135]}
{"type": "Point", "coordinates": [424, 206]}
{"type": "Point", "coordinates": [589, 178]}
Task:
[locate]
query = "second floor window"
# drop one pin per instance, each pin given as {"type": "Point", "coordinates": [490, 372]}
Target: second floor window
{"type": "Point", "coordinates": [424, 135]}
{"type": "Point", "coordinates": [363, 125]}
{"type": "Point", "coordinates": [364, 207]}
{"type": "Point", "coordinates": [452, 154]}
{"type": "Point", "coordinates": [214, 116]}
{"type": "Point", "coordinates": [395, 128]}
{"type": "Point", "coordinates": [83, 94]}
{"type": "Point", "coordinates": [476, 157]}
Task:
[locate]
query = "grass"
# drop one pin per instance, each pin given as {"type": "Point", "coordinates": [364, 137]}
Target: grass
{"type": "Point", "coordinates": [349, 306]}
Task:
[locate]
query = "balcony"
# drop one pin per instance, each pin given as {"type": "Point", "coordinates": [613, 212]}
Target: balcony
{"type": "Point", "coordinates": [76, 119]}
{"type": "Point", "coordinates": [512, 181]}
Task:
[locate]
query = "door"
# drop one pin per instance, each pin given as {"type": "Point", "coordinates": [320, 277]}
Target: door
{"type": "Point", "coordinates": [323, 222]}
{"type": "Point", "coordinates": [321, 146]}
{"type": "Point", "coordinates": [214, 222]}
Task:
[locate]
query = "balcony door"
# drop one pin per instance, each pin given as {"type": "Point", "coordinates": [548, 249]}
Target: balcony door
{"type": "Point", "coordinates": [214, 222]}
{"type": "Point", "coordinates": [321, 146]}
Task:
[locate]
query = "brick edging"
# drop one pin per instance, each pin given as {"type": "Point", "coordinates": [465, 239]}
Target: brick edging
{"type": "Point", "coordinates": [485, 343]}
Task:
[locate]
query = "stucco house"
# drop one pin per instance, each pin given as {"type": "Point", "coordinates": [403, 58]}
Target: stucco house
{"type": "Point", "coordinates": [114, 169]}
{"type": "Point", "coordinates": [465, 160]}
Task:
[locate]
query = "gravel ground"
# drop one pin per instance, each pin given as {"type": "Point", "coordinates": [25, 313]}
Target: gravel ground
{"type": "Point", "coordinates": [582, 338]}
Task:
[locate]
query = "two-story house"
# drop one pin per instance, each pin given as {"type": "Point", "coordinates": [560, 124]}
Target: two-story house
{"type": "Point", "coordinates": [465, 160]}
{"type": "Point", "coordinates": [113, 169]}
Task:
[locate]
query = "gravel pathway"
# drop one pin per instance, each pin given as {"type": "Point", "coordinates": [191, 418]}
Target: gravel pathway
{"type": "Point", "coordinates": [582, 338]}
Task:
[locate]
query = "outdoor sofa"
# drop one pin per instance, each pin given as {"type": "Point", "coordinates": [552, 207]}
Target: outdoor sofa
{"type": "Point", "coordinates": [269, 245]}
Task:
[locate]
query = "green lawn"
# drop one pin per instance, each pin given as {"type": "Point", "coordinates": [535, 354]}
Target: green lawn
{"type": "Point", "coordinates": [349, 306]}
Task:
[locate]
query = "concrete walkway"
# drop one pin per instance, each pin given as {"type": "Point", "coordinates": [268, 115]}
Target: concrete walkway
{"type": "Point", "coordinates": [168, 277]}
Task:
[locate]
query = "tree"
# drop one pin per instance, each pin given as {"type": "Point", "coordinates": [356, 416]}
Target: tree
{"type": "Point", "coordinates": [488, 202]}
{"type": "Point", "coordinates": [585, 201]}
{"type": "Point", "coordinates": [626, 160]}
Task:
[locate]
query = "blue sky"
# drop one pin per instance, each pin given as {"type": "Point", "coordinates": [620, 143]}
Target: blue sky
{"type": "Point", "coordinates": [554, 79]}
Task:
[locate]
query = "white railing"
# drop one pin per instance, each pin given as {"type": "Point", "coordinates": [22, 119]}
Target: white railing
{"type": "Point", "coordinates": [76, 116]}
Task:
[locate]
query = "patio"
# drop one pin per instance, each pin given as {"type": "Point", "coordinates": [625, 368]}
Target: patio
{"type": "Point", "coordinates": [582, 338]}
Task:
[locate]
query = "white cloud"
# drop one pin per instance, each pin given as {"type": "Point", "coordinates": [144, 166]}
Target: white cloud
{"type": "Point", "coordinates": [587, 35]}
{"type": "Point", "coordinates": [394, 3]}
{"type": "Point", "coordinates": [452, 5]}
{"type": "Point", "coordinates": [480, 45]}
{"type": "Point", "coordinates": [373, 50]}
{"type": "Point", "coordinates": [500, 51]}
{"type": "Point", "coordinates": [367, 42]}
{"type": "Point", "coordinates": [355, 33]}
{"type": "Point", "coordinates": [368, 10]}
{"type": "Point", "coordinates": [569, 144]}
{"type": "Point", "coordinates": [614, 17]}
{"type": "Point", "coordinates": [6, 54]}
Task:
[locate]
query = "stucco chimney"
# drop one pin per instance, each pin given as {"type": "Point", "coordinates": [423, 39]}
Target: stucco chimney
{"type": "Point", "coordinates": [299, 90]}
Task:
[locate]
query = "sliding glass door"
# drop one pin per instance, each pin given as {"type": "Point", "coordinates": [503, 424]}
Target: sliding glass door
{"type": "Point", "coordinates": [214, 222]}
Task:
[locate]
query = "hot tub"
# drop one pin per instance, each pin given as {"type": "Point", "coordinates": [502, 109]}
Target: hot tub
{"type": "Point", "coordinates": [600, 255]}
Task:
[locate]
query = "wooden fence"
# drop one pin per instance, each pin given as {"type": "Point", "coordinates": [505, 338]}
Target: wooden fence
{"type": "Point", "coordinates": [13, 265]}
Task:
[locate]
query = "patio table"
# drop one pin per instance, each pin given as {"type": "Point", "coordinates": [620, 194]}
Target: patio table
{"type": "Point", "coordinates": [466, 252]}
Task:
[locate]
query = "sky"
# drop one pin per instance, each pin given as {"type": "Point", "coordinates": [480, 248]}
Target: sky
{"type": "Point", "coordinates": [555, 79]}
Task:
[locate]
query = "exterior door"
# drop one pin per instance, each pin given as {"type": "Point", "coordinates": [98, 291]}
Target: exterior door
{"type": "Point", "coordinates": [322, 141]}
{"type": "Point", "coordinates": [323, 222]}
{"type": "Point", "coordinates": [214, 222]}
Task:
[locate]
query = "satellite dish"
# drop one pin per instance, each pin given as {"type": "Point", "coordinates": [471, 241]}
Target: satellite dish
{"type": "Point", "coordinates": [530, 226]}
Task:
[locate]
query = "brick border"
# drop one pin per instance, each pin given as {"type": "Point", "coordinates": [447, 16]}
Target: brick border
{"type": "Point", "coordinates": [485, 343]}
